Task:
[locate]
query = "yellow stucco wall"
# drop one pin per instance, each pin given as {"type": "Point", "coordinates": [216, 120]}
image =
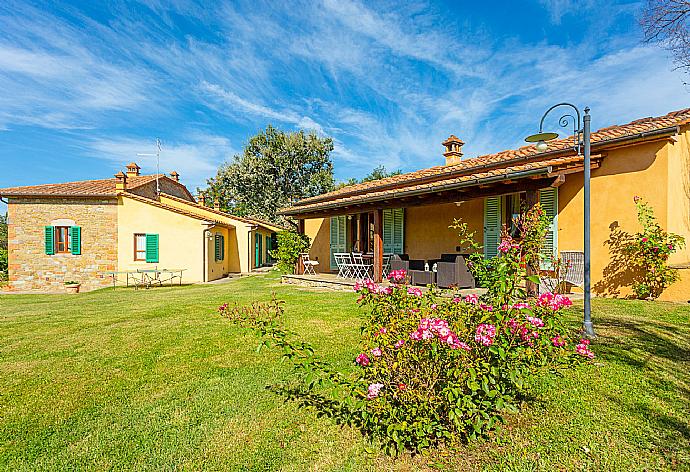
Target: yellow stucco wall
{"type": "Point", "coordinates": [653, 171]}
{"type": "Point", "coordinates": [180, 238]}
{"type": "Point", "coordinates": [240, 249]}
{"type": "Point", "coordinates": [427, 232]}
{"type": "Point", "coordinates": [318, 230]}
{"type": "Point", "coordinates": [217, 269]}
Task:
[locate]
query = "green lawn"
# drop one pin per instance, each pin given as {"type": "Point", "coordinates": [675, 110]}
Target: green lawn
{"type": "Point", "coordinates": [157, 380]}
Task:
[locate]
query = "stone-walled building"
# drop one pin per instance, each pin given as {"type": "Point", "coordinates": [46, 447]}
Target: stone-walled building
{"type": "Point", "coordinates": [88, 231]}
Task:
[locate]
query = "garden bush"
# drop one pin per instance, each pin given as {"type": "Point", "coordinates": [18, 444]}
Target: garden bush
{"type": "Point", "coordinates": [648, 251]}
{"type": "Point", "coordinates": [432, 369]}
{"type": "Point", "coordinates": [290, 246]}
{"type": "Point", "coordinates": [505, 276]}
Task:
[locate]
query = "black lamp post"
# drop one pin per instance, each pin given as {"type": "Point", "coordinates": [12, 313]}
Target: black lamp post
{"type": "Point", "coordinates": [582, 137]}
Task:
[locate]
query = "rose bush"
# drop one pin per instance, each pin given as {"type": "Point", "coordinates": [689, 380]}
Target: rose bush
{"type": "Point", "coordinates": [431, 369]}
{"type": "Point", "coordinates": [649, 250]}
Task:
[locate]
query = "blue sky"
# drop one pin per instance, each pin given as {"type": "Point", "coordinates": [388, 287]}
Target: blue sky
{"type": "Point", "coordinates": [87, 86]}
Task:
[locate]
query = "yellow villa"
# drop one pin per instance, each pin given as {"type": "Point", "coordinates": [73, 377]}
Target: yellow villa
{"type": "Point", "coordinates": [85, 231]}
{"type": "Point", "coordinates": [410, 213]}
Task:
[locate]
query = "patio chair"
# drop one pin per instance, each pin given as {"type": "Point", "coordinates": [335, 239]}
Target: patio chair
{"type": "Point", "coordinates": [454, 274]}
{"type": "Point", "coordinates": [343, 261]}
{"type": "Point", "coordinates": [403, 261]}
{"type": "Point", "coordinates": [574, 262]}
{"type": "Point", "coordinates": [360, 269]}
{"type": "Point", "coordinates": [386, 265]}
{"type": "Point", "coordinates": [308, 264]}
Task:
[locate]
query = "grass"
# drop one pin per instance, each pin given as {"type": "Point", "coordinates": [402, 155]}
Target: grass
{"type": "Point", "coordinates": [156, 380]}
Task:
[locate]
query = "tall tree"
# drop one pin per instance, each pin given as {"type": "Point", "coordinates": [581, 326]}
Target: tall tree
{"type": "Point", "coordinates": [275, 169]}
{"type": "Point", "coordinates": [668, 22]}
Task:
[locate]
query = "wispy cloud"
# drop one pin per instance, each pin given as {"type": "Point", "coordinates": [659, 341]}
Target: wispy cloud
{"type": "Point", "coordinates": [196, 158]}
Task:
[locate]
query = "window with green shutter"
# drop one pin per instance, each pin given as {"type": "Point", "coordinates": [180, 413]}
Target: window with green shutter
{"type": "Point", "coordinates": [394, 231]}
{"type": "Point", "coordinates": [151, 248]}
{"type": "Point", "coordinates": [219, 247]}
{"type": "Point", "coordinates": [75, 235]}
{"type": "Point", "coordinates": [492, 226]}
{"type": "Point", "coordinates": [49, 235]}
{"type": "Point", "coordinates": [548, 198]}
{"type": "Point", "coordinates": [338, 230]}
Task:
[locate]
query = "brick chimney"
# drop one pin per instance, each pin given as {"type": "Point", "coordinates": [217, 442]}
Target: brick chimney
{"type": "Point", "coordinates": [133, 169]}
{"type": "Point", "coordinates": [175, 176]}
{"type": "Point", "coordinates": [201, 199]}
{"type": "Point", "coordinates": [121, 183]}
{"type": "Point", "coordinates": [216, 204]}
{"type": "Point", "coordinates": [453, 152]}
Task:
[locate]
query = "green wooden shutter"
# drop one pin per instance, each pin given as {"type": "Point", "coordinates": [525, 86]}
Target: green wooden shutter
{"type": "Point", "coordinates": [257, 256]}
{"type": "Point", "coordinates": [151, 248]}
{"type": "Point", "coordinates": [222, 248]}
{"type": "Point", "coordinates": [548, 198]}
{"type": "Point", "coordinates": [492, 226]}
{"type": "Point", "coordinates": [394, 231]}
{"type": "Point", "coordinates": [338, 237]}
{"type": "Point", "coordinates": [75, 234]}
{"type": "Point", "coordinates": [49, 233]}
{"type": "Point", "coordinates": [218, 247]}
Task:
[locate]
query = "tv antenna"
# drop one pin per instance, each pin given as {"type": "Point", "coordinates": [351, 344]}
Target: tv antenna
{"type": "Point", "coordinates": [158, 163]}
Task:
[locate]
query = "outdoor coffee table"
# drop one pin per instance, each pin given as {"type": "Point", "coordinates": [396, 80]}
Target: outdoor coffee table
{"type": "Point", "coordinates": [422, 277]}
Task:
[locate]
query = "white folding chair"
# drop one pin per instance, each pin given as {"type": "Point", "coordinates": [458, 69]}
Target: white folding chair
{"type": "Point", "coordinates": [344, 263]}
{"type": "Point", "coordinates": [308, 264]}
{"type": "Point", "coordinates": [360, 268]}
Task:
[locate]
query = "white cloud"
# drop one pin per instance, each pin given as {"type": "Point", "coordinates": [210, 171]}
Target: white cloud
{"type": "Point", "coordinates": [195, 159]}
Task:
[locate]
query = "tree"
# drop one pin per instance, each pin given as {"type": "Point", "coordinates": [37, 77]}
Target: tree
{"type": "Point", "coordinates": [378, 173]}
{"type": "Point", "coordinates": [668, 22]}
{"type": "Point", "coordinates": [275, 169]}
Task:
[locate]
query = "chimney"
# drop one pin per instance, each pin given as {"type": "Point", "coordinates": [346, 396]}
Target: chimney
{"type": "Point", "coordinates": [121, 184]}
{"type": "Point", "coordinates": [175, 176]}
{"type": "Point", "coordinates": [133, 169]}
{"type": "Point", "coordinates": [201, 199]}
{"type": "Point", "coordinates": [453, 152]}
{"type": "Point", "coordinates": [216, 204]}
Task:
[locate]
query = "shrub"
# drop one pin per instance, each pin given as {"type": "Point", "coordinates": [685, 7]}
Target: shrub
{"type": "Point", "coordinates": [505, 276]}
{"type": "Point", "coordinates": [290, 246]}
{"type": "Point", "coordinates": [649, 250]}
{"type": "Point", "coordinates": [431, 369]}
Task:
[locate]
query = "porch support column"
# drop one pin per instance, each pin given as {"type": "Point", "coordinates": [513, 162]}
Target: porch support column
{"type": "Point", "coordinates": [300, 263]}
{"type": "Point", "coordinates": [378, 245]}
{"type": "Point", "coordinates": [532, 198]}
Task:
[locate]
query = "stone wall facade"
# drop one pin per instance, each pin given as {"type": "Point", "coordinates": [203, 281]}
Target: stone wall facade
{"type": "Point", "coordinates": [31, 269]}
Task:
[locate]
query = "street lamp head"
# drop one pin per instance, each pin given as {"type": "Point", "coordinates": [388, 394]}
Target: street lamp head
{"type": "Point", "coordinates": [540, 139]}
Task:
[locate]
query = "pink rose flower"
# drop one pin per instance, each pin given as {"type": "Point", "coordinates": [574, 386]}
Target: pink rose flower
{"type": "Point", "coordinates": [374, 390]}
{"type": "Point", "coordinates": [400, 343]}
{"type": "Point", "coordinates": [485, 334]}
{"type": "Point", "coordinates": [376, 352]}
{"type": "Point", "coordinates": [363, 360]}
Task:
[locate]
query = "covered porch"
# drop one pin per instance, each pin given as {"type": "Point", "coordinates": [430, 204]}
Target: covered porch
{"type": "Point", "coordinates": [413, 221]}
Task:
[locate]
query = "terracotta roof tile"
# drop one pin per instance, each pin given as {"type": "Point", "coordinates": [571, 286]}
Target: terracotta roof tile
{"type": "Point", "coordinates": [84, 188]}
{"type": "Point", "coordinates": [253, 221]}
{"type": "Point", "coordinates": [478, 166]}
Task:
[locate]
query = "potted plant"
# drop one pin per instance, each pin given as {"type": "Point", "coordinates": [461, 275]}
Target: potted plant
{"type": "Point", "coordinates": [72, 286]}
